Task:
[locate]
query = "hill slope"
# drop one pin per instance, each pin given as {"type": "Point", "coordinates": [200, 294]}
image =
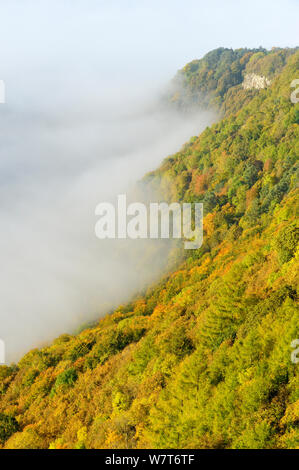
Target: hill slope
{"type": "Point", "coordinates": [223, 77]}
{"type": "Point", "coordinates": [204, 358]}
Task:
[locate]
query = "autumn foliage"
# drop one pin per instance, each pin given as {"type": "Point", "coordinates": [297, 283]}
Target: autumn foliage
{"type": "Point", "coordinates": [203, 358]}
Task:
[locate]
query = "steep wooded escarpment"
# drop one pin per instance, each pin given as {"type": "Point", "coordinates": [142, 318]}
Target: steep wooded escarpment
{"type": "Point", "coordinates": [203, 359]}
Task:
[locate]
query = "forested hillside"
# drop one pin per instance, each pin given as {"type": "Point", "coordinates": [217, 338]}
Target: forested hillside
{"type": "Point", "coordinates": [203, 359]}
{"type": "Point", "coordinates": [217, 79]}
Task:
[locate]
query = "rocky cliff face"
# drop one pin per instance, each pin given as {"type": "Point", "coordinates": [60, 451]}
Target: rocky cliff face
{"type": "Point", "coordinates": [251, 80]}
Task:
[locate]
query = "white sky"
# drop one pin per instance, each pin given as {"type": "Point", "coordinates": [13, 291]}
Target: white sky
{"type": "Point", "coordinates": [135, 38]}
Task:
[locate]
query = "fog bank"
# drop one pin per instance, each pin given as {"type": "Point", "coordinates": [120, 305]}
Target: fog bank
{"type": "Point", "coordinates": [62, 154]}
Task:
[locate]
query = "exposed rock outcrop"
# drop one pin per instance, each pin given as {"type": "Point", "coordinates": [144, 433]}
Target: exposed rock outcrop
{"type": "Point", "coordinates": [252, 80]}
